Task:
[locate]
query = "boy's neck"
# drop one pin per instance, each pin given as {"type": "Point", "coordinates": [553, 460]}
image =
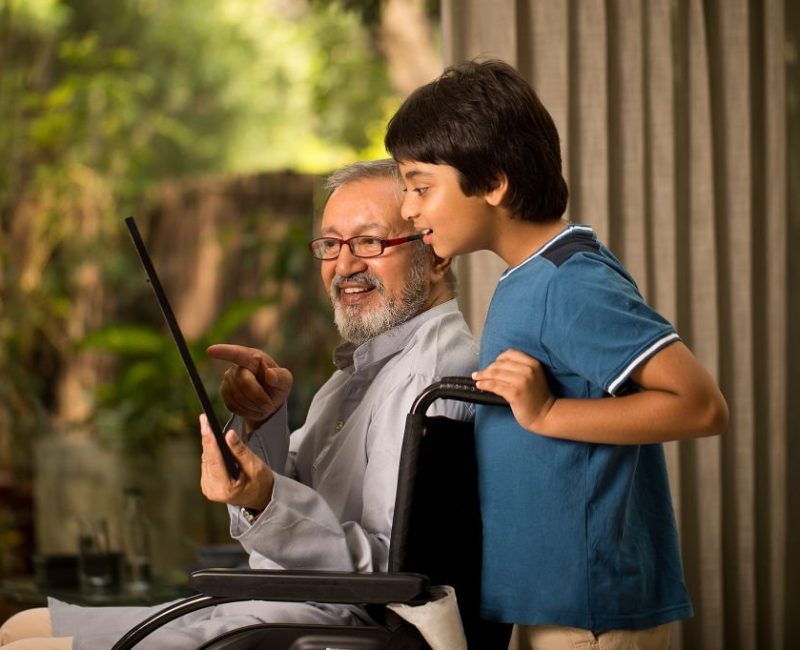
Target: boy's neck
{"type": "Point", "coordinates": [519, 239]}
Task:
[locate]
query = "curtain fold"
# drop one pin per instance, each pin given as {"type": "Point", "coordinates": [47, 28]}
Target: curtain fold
{"type": "Point", "coordinates": [678, 123]}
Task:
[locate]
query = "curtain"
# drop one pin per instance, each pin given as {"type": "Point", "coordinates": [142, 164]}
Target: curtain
{"type": "Point", "coordinates": [680, 140]}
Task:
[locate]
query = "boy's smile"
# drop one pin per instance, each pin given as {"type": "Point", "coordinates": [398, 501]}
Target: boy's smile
{"type": "Point", "coordinates": [434, 202]}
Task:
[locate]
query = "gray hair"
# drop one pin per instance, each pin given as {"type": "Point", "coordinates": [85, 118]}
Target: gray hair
{"type": "Point", "coordinates": [383, 168]}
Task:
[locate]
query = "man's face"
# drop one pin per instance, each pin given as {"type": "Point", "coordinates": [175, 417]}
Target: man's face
{"type": "Point", "coordinates": [372, 295]}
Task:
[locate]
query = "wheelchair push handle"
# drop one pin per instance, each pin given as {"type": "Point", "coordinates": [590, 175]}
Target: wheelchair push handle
{"type": "Point", "coordinates": [462, 389]}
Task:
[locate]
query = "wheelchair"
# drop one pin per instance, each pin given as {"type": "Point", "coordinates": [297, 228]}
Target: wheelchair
{"type": "Point", "coordinates": [436, 539]}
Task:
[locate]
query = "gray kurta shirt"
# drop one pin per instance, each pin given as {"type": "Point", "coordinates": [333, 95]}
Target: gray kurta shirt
{"type": "Point", "coordinates": [333, 500]}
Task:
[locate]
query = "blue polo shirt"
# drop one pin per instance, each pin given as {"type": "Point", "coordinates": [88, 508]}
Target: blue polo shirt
{"type": "Point", "coordinates": [575, 534]}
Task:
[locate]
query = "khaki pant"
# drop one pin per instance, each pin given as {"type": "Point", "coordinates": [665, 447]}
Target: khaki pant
{"type": "Point", "coordinates": [31, 629]}
{"type": "Point", "coordinates": [552, 637]}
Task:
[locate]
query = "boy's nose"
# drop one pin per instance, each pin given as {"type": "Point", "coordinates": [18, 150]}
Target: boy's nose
{"type": "Point", "coordinates": [408, 209]}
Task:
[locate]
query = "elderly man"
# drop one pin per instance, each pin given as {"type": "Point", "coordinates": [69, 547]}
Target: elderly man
{"type": "Point", "coordinates": [323, 497]}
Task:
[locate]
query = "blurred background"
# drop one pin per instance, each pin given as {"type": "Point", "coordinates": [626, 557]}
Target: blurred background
{"type": "Point", "coordinates": [213, 122]}
{"type": "Point", "coordinates": [210, 121]}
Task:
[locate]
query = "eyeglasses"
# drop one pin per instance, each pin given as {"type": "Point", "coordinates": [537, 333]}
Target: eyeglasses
{"type": "Point", "coordinates": [328, 248]}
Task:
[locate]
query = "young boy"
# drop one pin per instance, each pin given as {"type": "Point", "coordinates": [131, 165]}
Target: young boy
{"type": "Point", "coordinates": [580, 538]}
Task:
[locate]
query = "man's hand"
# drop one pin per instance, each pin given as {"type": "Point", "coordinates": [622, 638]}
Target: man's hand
{"type": "Point", "coordinates": [255, 386]}
{"type": "Point", "coordinates": [253, 488]}
{"type": "Point", "coordinates": [521, 380]}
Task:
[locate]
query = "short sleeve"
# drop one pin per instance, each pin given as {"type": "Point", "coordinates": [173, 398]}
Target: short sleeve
{"type": "Point", "coordinates": [598, 326]}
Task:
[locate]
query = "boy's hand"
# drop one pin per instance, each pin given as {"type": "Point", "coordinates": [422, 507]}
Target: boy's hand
{"type": "Point", "coordinates": [253, 488]}
{"type": "Point", "coordinates": [521, 380]}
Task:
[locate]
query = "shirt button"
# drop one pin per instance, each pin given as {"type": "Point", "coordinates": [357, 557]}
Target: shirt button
{"type": "Point", "coordinates": [339, 425]}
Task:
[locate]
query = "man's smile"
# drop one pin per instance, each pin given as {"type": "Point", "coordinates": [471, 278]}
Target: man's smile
{"type": "Point", "coordinates": [354, 290]}
{"type": "Point", "coordinates": [354, 294]}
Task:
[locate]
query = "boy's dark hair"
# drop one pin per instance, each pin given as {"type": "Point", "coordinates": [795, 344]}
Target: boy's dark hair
{"type": "Point", "coordinates": [484, 119]}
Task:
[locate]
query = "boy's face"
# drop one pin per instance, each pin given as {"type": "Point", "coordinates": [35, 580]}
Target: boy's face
{"type": "Point", "coordinates": [434, 201]}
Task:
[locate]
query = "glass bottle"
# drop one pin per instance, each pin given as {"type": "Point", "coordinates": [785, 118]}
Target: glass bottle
{"type": "Point", "coordinates": [136, 542]}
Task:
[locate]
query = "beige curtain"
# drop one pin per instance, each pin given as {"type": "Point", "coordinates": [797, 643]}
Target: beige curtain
{"type": "Point", "coordinates": [679, 125]}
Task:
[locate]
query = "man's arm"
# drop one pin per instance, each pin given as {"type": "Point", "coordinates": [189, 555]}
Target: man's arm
{"type": "Point", "coordinates": [300, 529]}
{"type": "Point", "coordinates": [679, 400]}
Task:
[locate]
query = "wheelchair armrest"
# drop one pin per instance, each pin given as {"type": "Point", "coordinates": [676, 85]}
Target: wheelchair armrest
{"type": "Point", "coordinates": [319, 586]}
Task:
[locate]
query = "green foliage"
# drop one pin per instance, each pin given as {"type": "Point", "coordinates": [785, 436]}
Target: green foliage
{"type": "Point", "coordinates": [370, 10]}
{"type": "Point", "coordinates": [150, 398]}
{"type": "Point", "coordinates": [99, 102]}
{"type": "Point", "coordinates": [311, 107]}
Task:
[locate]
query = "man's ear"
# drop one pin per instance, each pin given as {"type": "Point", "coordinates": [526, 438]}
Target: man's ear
{"type": "Point", "coordinates": [496, 196]}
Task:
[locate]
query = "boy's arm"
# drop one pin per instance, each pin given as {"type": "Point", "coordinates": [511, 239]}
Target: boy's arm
{"type": "Point", "coordinates": [679, 400]}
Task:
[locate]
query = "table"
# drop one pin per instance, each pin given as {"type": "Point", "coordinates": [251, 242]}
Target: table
{"type": "Point", "coordinates": [24, 593]}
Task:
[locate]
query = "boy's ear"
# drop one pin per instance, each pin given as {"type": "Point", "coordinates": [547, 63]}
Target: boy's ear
{"type": "Point", "coordinates": [496, 196]}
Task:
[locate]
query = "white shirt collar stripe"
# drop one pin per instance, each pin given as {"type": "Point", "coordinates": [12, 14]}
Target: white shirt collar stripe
{"type": "Point", "coordinates": [567, 231]}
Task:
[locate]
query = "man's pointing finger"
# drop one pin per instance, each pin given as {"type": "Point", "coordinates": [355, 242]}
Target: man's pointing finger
{"type": "Point", "coordinates": [239, 355]}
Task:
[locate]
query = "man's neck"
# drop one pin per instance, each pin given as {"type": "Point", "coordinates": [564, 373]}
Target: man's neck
{"type": "Point", "coordinates": [440, 293]}
{"type": "Point", "coordinates": [345, 353]}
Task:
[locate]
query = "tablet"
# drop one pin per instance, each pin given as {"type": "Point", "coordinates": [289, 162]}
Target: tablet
{"type": "Point", "coordinates": [230, 462]}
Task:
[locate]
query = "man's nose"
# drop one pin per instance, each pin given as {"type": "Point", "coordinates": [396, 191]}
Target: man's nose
{"type": "Point", "coordinates": [347, 263]}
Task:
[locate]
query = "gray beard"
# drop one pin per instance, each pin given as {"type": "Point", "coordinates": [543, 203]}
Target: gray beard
{"type": "Point", "coordinates": [357, 328]}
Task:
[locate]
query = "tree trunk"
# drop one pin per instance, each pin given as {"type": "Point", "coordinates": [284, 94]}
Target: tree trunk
{"type": "Point", "coordinates": [407, 41]}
